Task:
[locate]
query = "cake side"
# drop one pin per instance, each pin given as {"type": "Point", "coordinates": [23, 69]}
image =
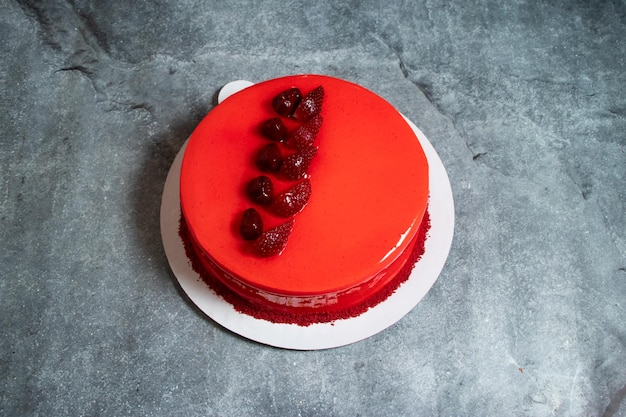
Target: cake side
{"type": "Point", "coordinates": [247, 301]}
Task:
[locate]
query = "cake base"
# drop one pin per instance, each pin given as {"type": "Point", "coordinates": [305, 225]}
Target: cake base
{"type": "Point", "coordinates": [318, 335]}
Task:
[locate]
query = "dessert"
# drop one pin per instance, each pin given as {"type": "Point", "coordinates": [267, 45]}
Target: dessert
{"type": "Point", "coordinates": [304, 199]}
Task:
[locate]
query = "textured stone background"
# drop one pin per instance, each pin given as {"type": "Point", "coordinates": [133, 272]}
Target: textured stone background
{"type": "Point", "coordinates": [525, 103]}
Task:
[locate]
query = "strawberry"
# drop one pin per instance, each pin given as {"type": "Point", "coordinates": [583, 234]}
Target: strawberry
{"type": "Point", "coordinates": [295, 166]}
{"type": "Point", "coordinates": [306, 133]}
{"type": "Point", "coordinates": [260, 190]}
{"type": "Point", "coordinates": [310, 105]}
{"type": "Point", "coordinates": [286, 102]}
{"type": "Point", "coordinates": [314, 123]}
{"type": "Point", "coordinates": [269, 158]}
{"type": "Point", "coordinates": [251, 225]}
{"type": "Point", "coordinates": [293, 200]}
{"type": "Point", "coordinates": [274, 129]}
{"type": "Point", "coordinates": [273, 241]}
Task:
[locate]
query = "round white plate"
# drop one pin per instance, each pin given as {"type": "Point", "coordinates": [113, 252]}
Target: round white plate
{"type": "Point", "coordinates": [320, 335]}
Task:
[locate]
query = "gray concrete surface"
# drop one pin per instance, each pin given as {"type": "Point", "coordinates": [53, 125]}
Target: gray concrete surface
{"type": "Point", "coordinates": [525, 103]}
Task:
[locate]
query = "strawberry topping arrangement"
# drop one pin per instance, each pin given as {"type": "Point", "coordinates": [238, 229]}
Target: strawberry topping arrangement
{"type": "Point", "coordinates": [288, 156]}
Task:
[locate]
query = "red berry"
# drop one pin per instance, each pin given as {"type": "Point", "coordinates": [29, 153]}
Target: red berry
{"type": "Point", "coordinates": [269, 158]}
{"type": "Point", "coordinates": [260, 190]}
{"type": "Point", "coordinates": [296, 166]}
{"type": "Point", "coordinates": [310, 105]}
{"type": "Point", "coordinates": [286, 102]}
{"type": "Point", "coordinates": [251, 225]}
{"type": "Point", "coordinates": [293, 200]}
{"type": "Point", "coordinates": [274, 129]}
{"type": "Point", "coordinates": [314, 123]}
{"type": "Point", "coordinates": [306, 133]}
{"type": "Point", "coordinates": [273, 241]}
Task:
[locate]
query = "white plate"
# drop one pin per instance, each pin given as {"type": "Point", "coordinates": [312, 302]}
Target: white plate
{"type": "Point", "coordinates": [319, 335]}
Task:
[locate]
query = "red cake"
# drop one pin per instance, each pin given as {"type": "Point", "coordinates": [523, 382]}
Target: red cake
{"type": "Point", "coordinates": [360, 194]}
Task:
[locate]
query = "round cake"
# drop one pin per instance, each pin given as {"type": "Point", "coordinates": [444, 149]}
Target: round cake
{"type": "Point", "coordinates": [304, 199]}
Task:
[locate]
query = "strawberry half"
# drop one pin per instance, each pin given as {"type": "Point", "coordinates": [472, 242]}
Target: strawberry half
{"type": "Point", "coordinates": [296, 166]}
{"type": "Point", "coordinates": [306, 133]}
{"type": "Point", "coordinates": [274, 129]}
{"type": "Point", "coordinates": [310, 105]}
{"type": "Point", "coordinates": [292, 201]}
{"type": "Point", "coordinates": [286, 102]}
{"type": "Point", "coordinates": [314, 123]}
{"type": "Point", "coordinates": [251, 225]}
{"type": "Point", "coordinates": [273, 241]}
{"type": "Point", "coordinates": [269, 158]}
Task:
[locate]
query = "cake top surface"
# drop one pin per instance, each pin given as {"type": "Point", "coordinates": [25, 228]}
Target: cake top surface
{"type": "Point", "coordinates": [369, 184]}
